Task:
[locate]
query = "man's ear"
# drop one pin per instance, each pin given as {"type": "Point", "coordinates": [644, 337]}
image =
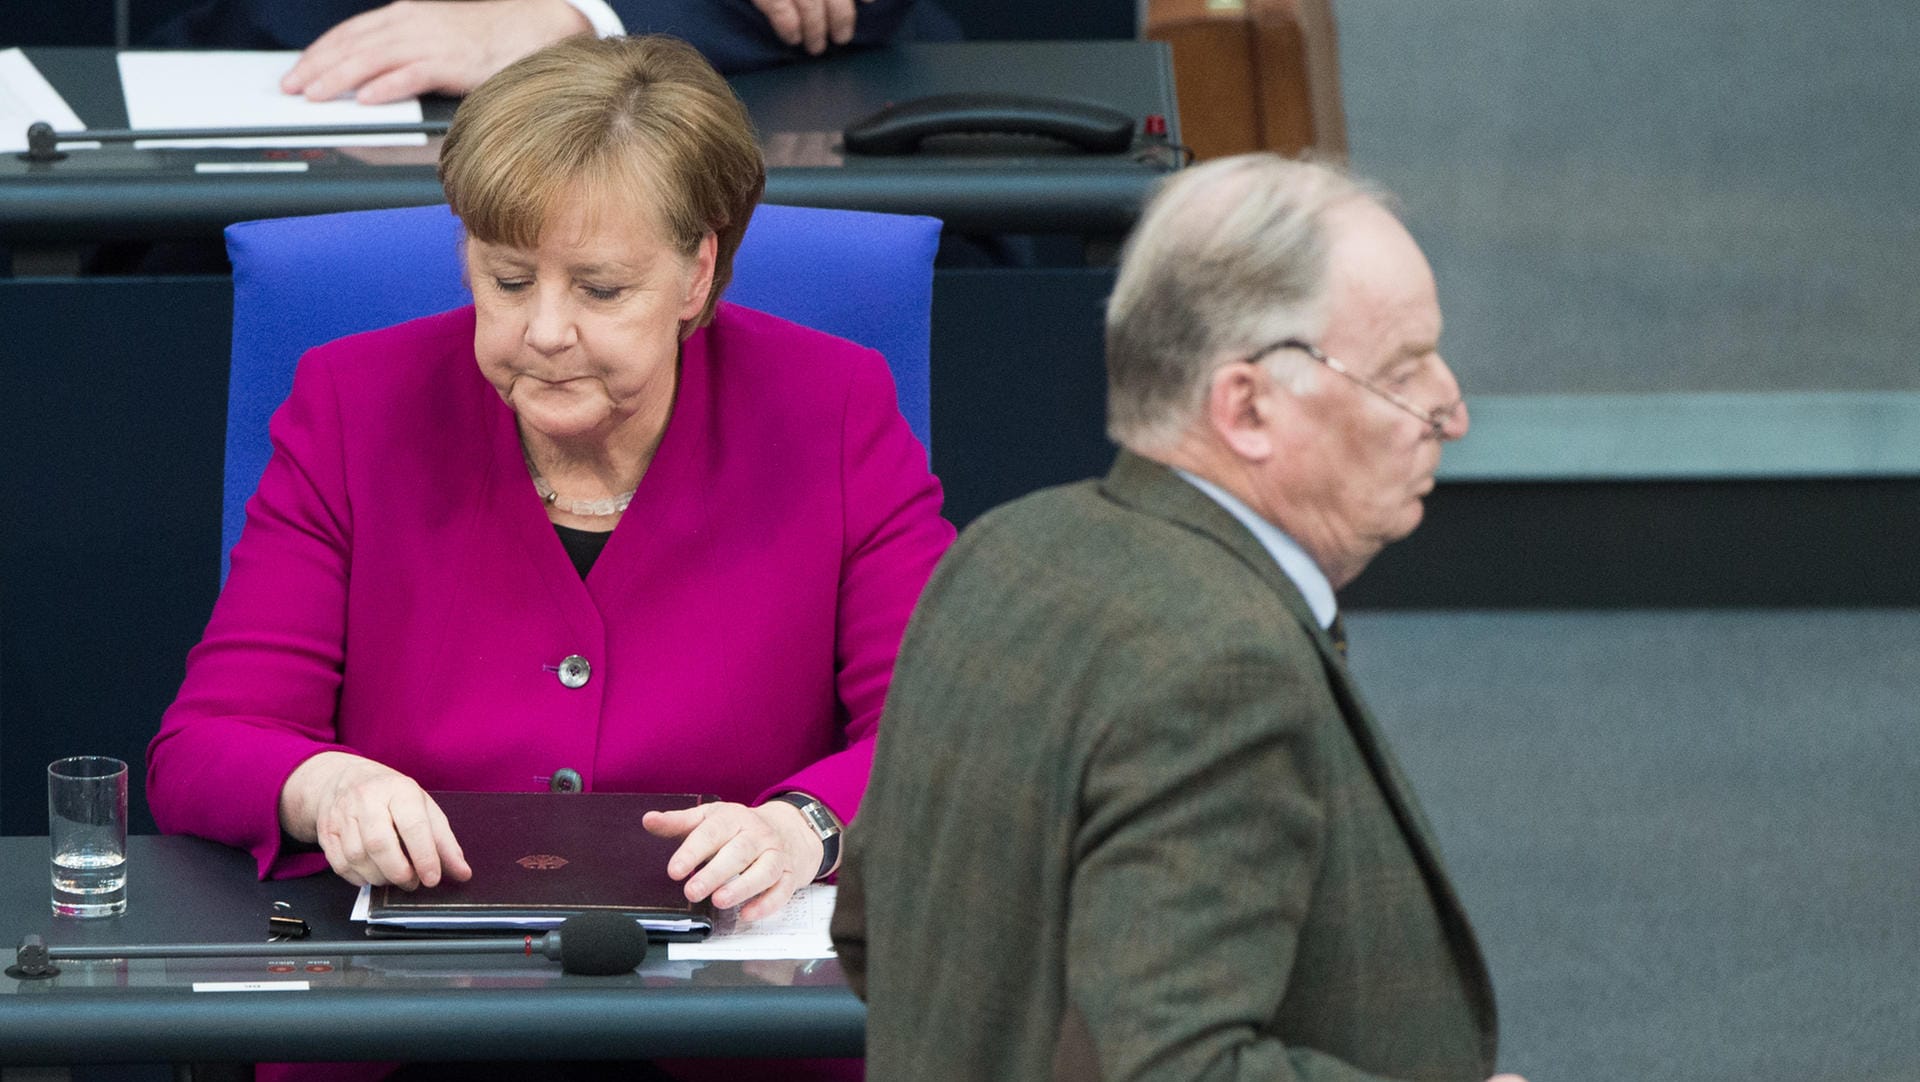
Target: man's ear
{"type": "Point", "coordinates": [1241, 409]}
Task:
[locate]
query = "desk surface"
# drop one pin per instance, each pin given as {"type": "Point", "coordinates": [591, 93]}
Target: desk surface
{"type": "Point", "coordinates": [185, 890]}
{"type": "Point", "coordinates": [1010, 185]}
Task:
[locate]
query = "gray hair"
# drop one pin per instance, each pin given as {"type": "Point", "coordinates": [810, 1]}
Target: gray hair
{"type": "Point", "coordinates": [1229, 256]}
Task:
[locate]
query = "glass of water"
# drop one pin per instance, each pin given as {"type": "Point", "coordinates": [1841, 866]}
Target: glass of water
{"type": "Point", "coordinates": [87, 829]}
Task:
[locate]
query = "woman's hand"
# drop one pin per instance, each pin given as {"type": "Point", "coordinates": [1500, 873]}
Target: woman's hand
{"type": "Point", "coordinates": [740, 856]}
{"type": "Point", "coordinates": [375, 824]}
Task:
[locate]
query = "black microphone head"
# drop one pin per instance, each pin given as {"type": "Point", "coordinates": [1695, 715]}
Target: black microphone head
{"type": "Point", "coordinates": [601, 944]}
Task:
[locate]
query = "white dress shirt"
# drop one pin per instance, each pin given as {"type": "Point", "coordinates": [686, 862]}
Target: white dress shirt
{"type": "Point", "coordinates": [1306, 575]}
{"type": "Point", "coordinates": [606, 23]}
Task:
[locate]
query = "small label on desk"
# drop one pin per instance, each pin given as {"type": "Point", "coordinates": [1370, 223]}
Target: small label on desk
{"type": "Point", "coordinates": [249, 167]}
{"type": "Point", "coordinates": [250, 986]}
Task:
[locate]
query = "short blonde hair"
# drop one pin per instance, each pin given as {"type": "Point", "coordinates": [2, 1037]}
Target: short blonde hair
{"type": "Point", "coordinates": [1228, 256]}
{"type": "Point", "coordinates": [644, 118]}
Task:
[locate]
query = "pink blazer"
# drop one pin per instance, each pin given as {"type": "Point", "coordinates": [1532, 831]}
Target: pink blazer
{"type": "Point", "coordinates": [398, 591]}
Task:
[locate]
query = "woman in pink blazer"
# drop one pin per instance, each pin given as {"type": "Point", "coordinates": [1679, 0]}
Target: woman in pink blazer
{"type": "Point", "coordinates": [596, 531]}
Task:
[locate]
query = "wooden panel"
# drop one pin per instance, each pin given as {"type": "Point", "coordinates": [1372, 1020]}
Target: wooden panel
{"type": "Point", "coordinates": [1254, 75]}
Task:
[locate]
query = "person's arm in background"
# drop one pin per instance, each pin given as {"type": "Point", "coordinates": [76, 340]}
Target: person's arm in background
{"type": "Point", "coordinates": [743, 35]}
{"type": "Point", "coordinates": [415, 47]}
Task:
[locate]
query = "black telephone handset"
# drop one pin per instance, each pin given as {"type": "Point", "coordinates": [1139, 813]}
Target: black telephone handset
{"type": "Point", "coordinates": [898, 129]}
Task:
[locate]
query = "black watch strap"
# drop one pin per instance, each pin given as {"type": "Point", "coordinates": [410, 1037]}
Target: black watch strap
{"type": "Point", "coordinates": [826, 827]}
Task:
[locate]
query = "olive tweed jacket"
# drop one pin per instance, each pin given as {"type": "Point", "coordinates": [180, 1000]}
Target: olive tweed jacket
{"type": "Point", "coordinates": [1128, 819]}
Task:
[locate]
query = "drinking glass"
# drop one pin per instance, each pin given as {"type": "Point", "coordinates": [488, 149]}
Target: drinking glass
{"type": "Point", "coordinates": [87, 832]}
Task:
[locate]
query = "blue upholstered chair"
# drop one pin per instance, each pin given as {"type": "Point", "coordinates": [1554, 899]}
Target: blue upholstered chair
{"type": "Point", "coordinates": [300, 282]}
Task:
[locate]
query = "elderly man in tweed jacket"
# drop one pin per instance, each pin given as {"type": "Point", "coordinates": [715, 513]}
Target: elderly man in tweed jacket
{"type": "Point", "coordinates": [1128, 818]}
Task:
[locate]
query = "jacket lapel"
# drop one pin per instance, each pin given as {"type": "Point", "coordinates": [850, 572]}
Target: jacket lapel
{"type": "Point", "coordinates": [1154, 489]}
{"type": "Point", "coordinates": [511, 500]}
{"type": "Point", "coordinates": [670, 521]}
{"type": "Point", "coordinates": [669, 507]}
{"type": "Point", "coordinates": [1421, 842]}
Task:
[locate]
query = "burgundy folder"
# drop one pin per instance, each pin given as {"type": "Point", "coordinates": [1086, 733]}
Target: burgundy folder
{"type": "Point", "coordinates": [539, 858]}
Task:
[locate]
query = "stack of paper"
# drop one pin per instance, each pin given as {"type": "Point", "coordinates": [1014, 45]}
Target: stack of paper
{"type": "Point", "coordinates": [242, 90]}
{"type": "Point", "coordinates": [800, 930]}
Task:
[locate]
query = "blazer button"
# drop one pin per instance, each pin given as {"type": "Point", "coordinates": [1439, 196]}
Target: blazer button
{"type": "Point", "coordinates": [575, 672]}
{"type": "Point", "coordinates": [564, 780]}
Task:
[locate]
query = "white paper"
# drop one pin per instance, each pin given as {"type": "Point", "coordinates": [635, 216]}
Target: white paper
{"type": "Point", "coordinates": [242, 90]}
{"type": "Point", "coordinates": [26, 96]}
{"type": "Point", "coordinates": [249, 167]}
{"type": "Point", "coordinates": [798, 931]}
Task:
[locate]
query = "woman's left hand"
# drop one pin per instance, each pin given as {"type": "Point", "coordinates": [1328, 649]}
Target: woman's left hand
{"type": "Point", "coordinates": [740, 856]}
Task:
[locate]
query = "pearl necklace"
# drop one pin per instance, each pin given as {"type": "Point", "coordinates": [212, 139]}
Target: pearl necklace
{"type": "Point", "coordinates": [612, 505]}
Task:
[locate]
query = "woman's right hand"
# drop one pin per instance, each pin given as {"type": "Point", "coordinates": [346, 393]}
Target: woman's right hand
{"type": "Point", "coordinates": [375, 824]}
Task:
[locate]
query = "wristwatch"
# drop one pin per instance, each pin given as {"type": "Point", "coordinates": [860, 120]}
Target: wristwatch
{"type": "Point", "coordinates": [821, 819]}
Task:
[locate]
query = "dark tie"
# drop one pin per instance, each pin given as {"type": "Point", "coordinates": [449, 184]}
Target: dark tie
{"type": "Point", "coordinates": [1337, 631]}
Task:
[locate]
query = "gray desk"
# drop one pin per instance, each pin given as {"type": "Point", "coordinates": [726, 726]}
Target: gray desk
{"type": "Point", "coordinates": [1005, 186]}
{"type": "Point", "coordinates": [499, 1007]}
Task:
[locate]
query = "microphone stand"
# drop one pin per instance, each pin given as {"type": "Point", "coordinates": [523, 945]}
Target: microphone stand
{"type": "Point", "coordinates": [602, 944]}
{"type": "Point", "coordinates": [43, 143]}
{"type": "Point", "coordinates": [34, 959]}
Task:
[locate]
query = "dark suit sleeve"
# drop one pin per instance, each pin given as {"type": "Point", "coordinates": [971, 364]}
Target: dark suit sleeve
{"type": "Point", "coordinates": [1194, 868]}
{"type": "Point", "coordinates": [736, 37]}
{"type": "Point", "coordinates": [850, 915]}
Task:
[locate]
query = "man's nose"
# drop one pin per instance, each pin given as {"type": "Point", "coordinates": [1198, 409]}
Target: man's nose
{"type": "Point", "coordinates": [1453, 420]}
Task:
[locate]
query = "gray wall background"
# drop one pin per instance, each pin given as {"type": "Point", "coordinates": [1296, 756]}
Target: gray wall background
{"type": "Point", "coordinates": [1691, 838]}
{"type": "Point", "coordinates": [1692, 195]}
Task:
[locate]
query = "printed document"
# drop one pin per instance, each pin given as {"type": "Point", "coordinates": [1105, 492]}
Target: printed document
{"type": "Point", "coordinates": [798, 931]}
{"type": "Point", "coordinates": [242, 90]}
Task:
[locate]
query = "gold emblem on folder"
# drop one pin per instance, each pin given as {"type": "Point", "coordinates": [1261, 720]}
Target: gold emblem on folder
{"type": "Point", "coordinates": [541, 862]}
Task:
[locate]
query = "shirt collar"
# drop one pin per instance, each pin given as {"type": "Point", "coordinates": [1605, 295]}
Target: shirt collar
{"type": "Point", "coordinates": [1306, 575]}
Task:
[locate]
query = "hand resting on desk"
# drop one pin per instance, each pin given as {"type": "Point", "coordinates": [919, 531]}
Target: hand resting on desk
{"type": "Point", "coordinates": [811, 23]}
{"type": "Point", "coordinates": [375, 824]}
{"type": "Point", "coordinates": [413, 47]}
{"type": "Point", "coordinates": [757, 856]}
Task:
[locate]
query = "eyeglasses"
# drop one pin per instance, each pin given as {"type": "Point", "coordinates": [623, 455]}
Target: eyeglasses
{"type": "Point", "coordinates": [1435, 419]}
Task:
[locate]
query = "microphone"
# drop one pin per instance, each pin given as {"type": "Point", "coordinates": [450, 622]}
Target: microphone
{"type": "Point", "coordinates": [587, 944]}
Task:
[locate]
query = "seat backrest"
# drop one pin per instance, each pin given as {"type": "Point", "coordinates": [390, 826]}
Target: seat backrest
{"type": "Point", "coordinates": [301, 282]}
